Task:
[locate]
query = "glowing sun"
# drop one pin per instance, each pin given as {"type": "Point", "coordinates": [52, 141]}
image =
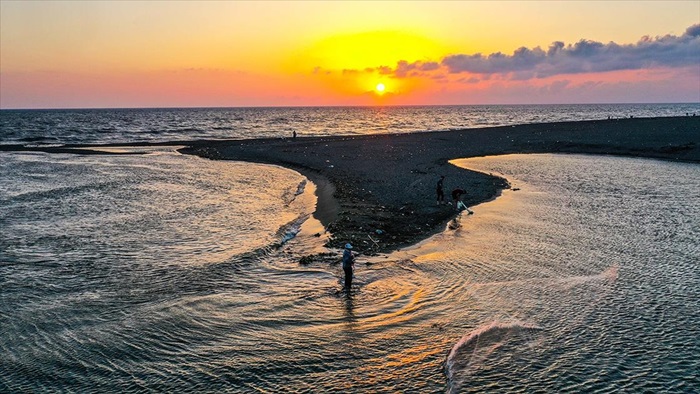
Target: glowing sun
{"type": "Point", "coordinates": [380, 88]}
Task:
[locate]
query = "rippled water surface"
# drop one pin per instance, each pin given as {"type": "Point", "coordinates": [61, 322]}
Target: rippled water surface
{"type": "Point", "coordinates": [171, 273]}
{"type": "Point", "coordinates": [90, 126]}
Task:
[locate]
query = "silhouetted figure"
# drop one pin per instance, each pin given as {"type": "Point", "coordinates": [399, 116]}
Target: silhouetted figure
{"type": "Point", "coordinates": [294, 134]}
{"type": "Point", "coordinates": [439, 190]}
{"type": "Point", "coordinates": [457, 194]}
{"type": "Point", "coordinates": [348, 265]}
{"type": "Point", "coordinates": [459, 204]}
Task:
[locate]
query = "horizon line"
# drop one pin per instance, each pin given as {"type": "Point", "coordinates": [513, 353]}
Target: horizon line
{"type": "Point", "coordinates": [339, 106]}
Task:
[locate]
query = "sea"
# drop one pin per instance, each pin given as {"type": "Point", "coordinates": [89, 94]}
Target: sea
{"type": "Point", "coordinates": [162, 272]}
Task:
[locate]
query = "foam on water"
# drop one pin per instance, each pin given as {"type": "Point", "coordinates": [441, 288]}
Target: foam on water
{"type": "Point", "coordinates": [473, 349]}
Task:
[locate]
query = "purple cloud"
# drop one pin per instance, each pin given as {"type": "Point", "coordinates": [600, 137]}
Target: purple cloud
{"type": "Point", "coordinates": [404, 68]}
{"type": "Point", "coordinates": [583, 56]}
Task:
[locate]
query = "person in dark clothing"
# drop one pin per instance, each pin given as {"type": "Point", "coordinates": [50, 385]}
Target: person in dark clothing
{"type": "Point", "coordinates": [457, 195]}
{"type": "Point", "coordinates": [348, 265]}
{"type": "Point", "coordinates": [459, 205]}
{"type": "Point", "coordinates": [440, 192]}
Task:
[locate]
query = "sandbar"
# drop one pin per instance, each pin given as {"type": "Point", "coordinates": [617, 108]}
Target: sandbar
{"type": "Point", "coordinates": [387, 182]}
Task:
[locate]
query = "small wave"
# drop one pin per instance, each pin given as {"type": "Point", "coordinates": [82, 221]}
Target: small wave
{"type": "Point", "coordinates": [36, 139]}
{"type": "Point", "coordinates": [608, 276]}
{"type": "Point", "coordinates": [176, 130]}
{"type": "Point", "coordinates": [291, 229]}
{"type": "Point", "coordinates": [300, 187]}
{"type": "Point", "coordinates": [284, 234]}
{"type": "Point", "coordinates": [469, 353]}
{"type": "Point", "coordinates": [288, 197]}
{"type": "Point", "coordinates": [43, 145]}
{"type": "Point", "coordinates": [60, 192]}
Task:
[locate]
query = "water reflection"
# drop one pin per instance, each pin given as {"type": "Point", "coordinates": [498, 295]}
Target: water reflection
{"type": "Point", "coordinates": [349, 304]}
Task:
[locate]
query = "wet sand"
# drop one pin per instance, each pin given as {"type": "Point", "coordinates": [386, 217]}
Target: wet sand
{"type": "Point", "coordinates": [387, 182]}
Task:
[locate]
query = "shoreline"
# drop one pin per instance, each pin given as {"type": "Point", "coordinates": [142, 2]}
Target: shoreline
{"type": "Point", "coordinates": [387, 182]}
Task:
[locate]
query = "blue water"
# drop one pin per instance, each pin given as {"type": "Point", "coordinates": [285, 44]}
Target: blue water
{"type": "Point", "coordinates": [156, 125]}
{"type": "Point", "coordinates": [170, 273]}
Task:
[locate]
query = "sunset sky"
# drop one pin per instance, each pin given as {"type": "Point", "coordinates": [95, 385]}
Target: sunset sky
{"type": "Point", "coordinates": [86, 54]}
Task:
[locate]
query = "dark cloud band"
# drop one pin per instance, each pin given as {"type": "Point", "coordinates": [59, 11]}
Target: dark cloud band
{"type": "Point", "coordinates": [583, 57]}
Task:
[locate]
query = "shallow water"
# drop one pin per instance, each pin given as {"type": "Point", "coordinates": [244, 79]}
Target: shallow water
{"type": "Point", "coordinates": [171, 273]}
{"type": "Point", "coordinates": [604, 254]}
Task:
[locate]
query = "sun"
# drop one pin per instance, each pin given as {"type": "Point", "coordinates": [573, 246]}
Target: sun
{"type": "Point", "coordinates": [380, 88]}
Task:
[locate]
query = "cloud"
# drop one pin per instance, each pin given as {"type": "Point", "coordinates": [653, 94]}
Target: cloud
{"type": "Point", "coordinates": [585, 56]}
{"type": "Point", "coordinates": [320, 71]}
{"type": "Point", "coordinates": [384, 70]}
{"type": "Point", "coordinates": [469, 80]}
{"type": "Point", "coordinates": [404, 68]}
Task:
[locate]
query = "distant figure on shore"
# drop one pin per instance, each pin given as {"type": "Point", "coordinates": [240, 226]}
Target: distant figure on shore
{"type": "Point", "coordinates": [440, 191]}
{"type": "Point", "coordinates": [348, 265]}
{"type": "Point", "coordinates": [294, 134]}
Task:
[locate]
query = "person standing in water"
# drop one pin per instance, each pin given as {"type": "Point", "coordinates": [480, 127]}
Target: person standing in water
{"type": "Point", "coordinates": [348, 265]}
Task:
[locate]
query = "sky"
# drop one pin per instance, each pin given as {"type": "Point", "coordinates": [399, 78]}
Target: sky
{"type": "Point", "coordinates": [128, 54]}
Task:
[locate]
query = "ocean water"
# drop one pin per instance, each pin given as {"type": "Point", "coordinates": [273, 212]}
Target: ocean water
{"type": "Point", "coordinates": [99, 126]}
{"type": "Point", "coordinates": [169, 273]}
